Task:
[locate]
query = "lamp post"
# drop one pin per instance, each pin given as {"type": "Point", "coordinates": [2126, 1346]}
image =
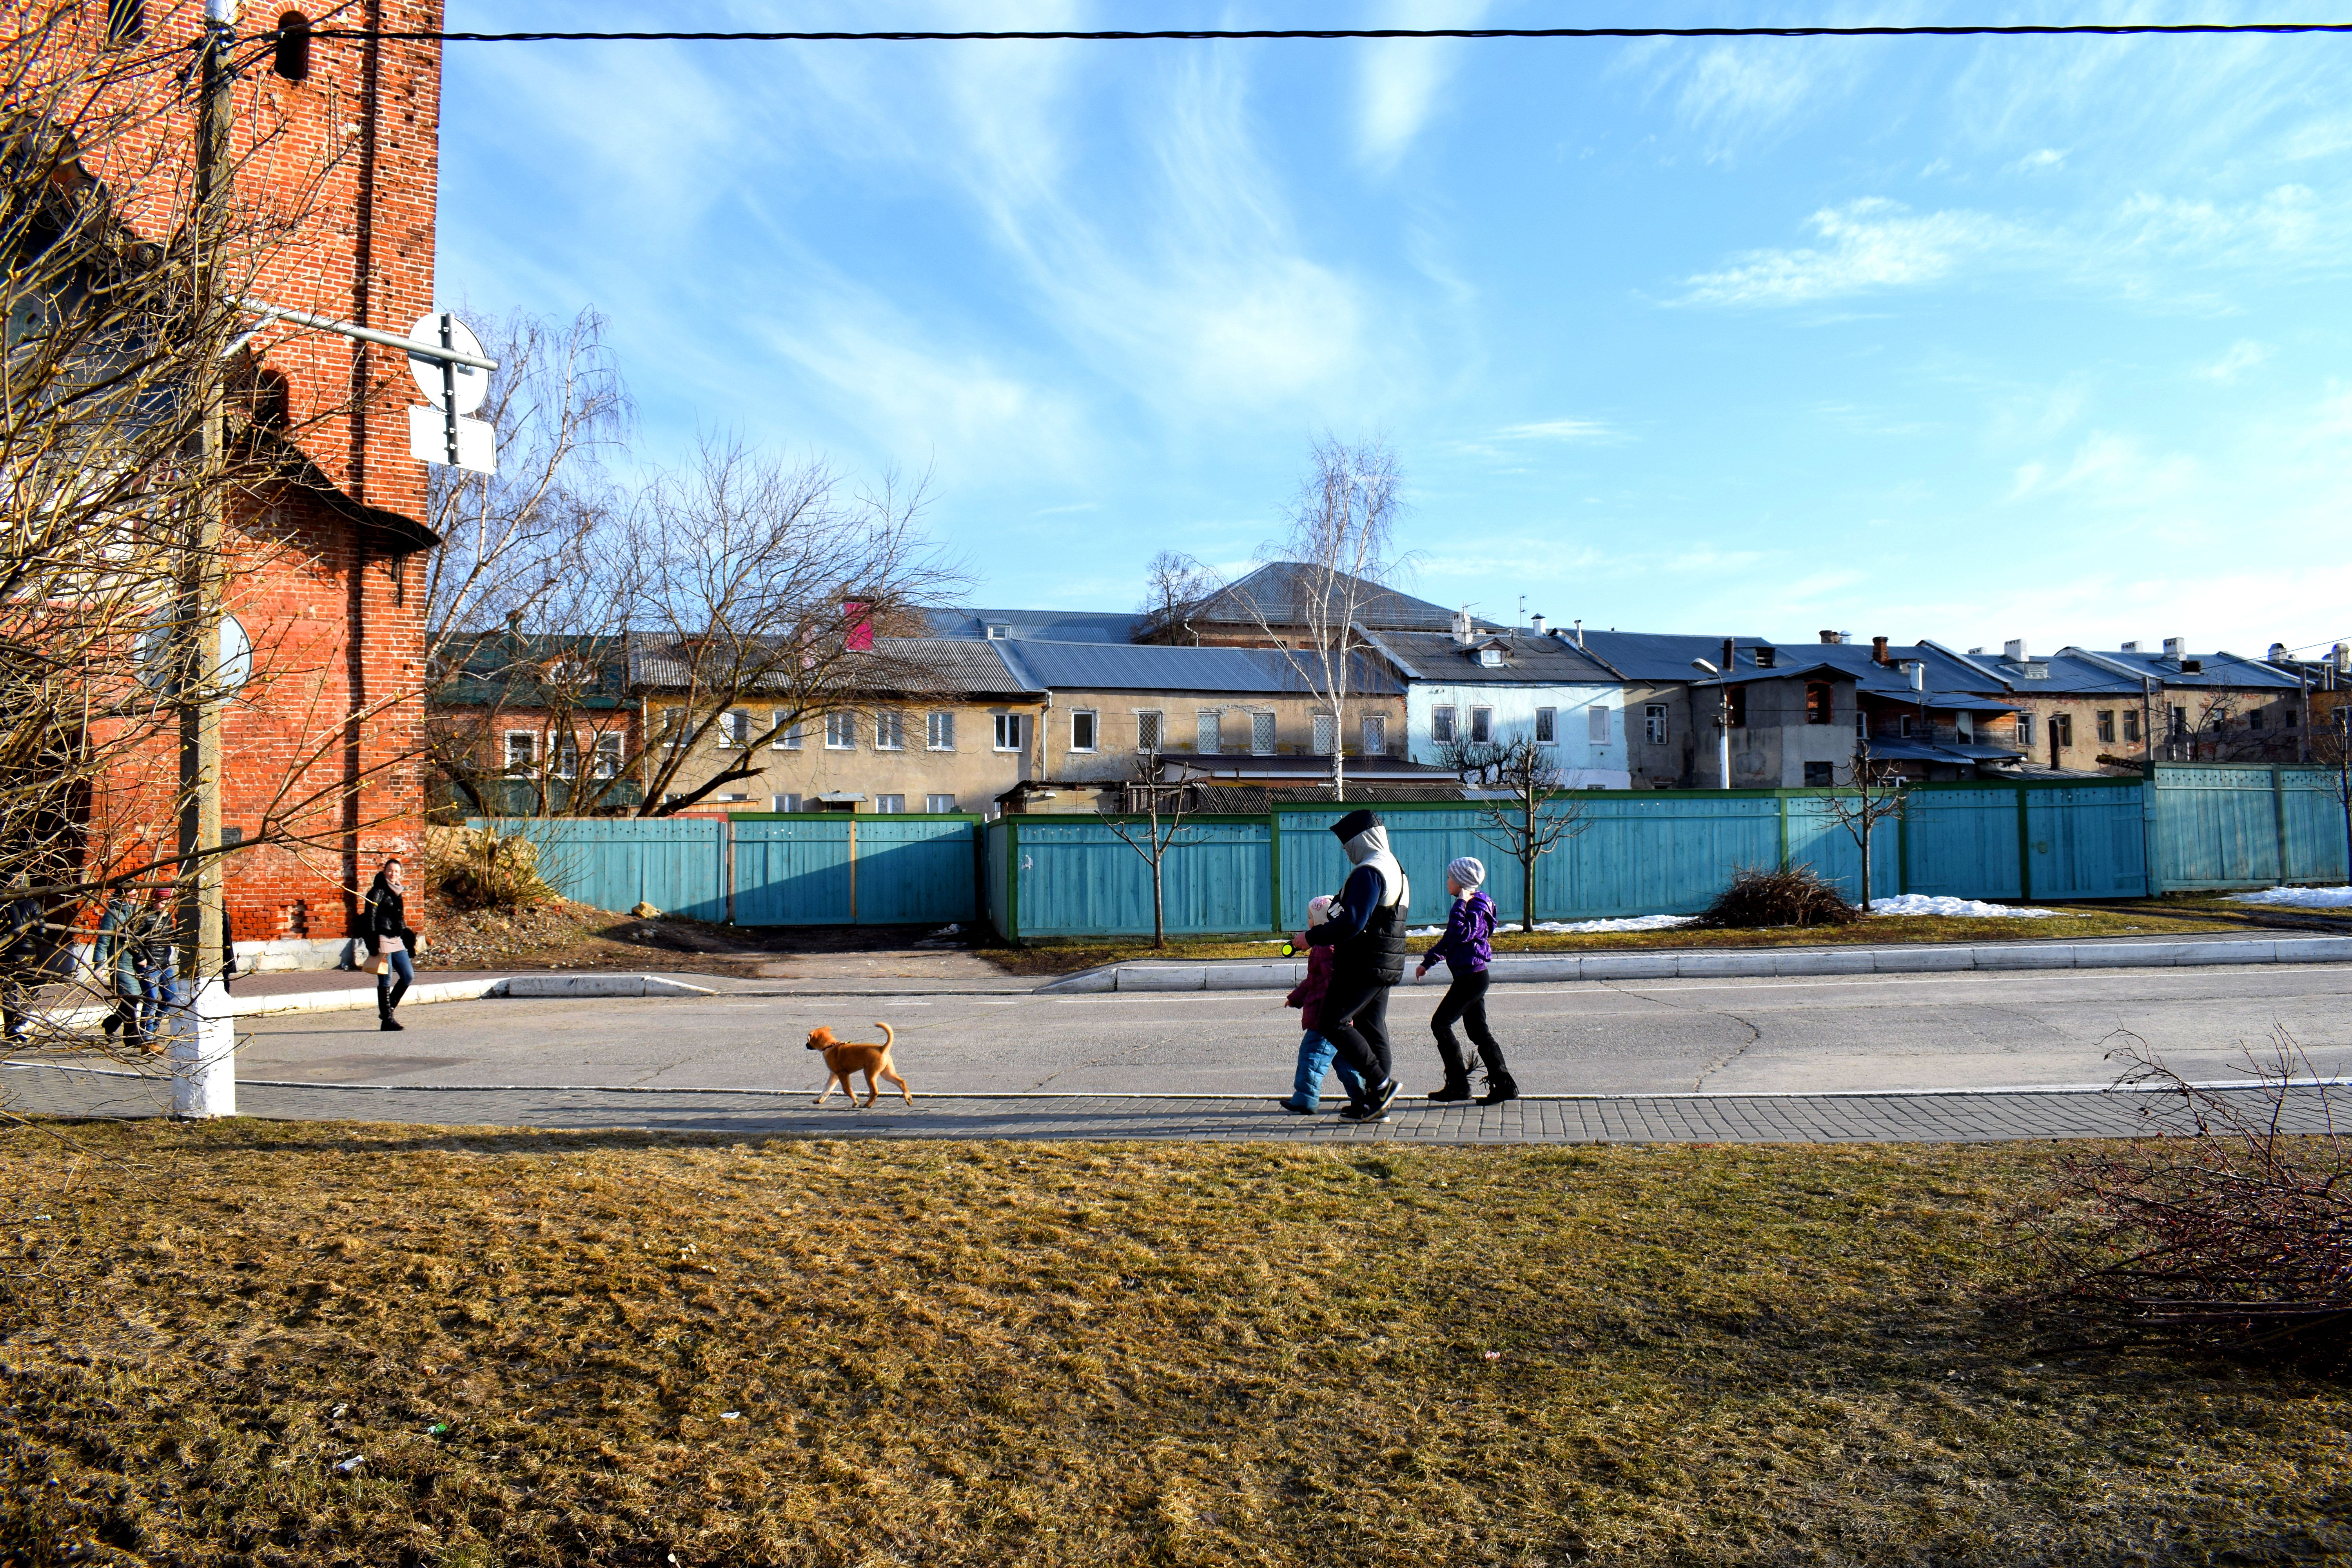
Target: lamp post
{"type": "Point", "coordinates": [1723, 712]}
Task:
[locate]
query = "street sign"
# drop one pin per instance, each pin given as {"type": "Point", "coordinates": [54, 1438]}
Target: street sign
{"type": "Point", "coordinates": [428, 441]}
{"type": "Point", "coordinates": [470, 383]}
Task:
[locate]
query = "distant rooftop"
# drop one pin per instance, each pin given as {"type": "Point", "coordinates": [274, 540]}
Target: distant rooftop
{"type": "Point", "coordinates": [1150, 667]}
{"type": "Point", "coordinates": [1049, 626]}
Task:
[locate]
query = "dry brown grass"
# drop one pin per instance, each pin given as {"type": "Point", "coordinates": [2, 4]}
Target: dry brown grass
{"type": "Point", "coordinates": [1081, 1354]}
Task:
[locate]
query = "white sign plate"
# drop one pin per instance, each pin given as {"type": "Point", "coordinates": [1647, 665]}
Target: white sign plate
{"type": "Point", "coordinates": [472, 381]}
{"type": "Point", "coordinates": [428, 441]}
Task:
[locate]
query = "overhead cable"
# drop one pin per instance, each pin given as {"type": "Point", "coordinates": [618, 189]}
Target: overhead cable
{"type": "Point", "coordinates": [2083, 29]}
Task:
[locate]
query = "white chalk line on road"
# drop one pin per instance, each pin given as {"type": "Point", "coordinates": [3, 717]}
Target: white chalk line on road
{"type": "Point", "coordinates": [2215, 1084]}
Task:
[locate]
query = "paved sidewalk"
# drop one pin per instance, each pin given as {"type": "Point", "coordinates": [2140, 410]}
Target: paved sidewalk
{"type": "Point", "coordinates": [1957, 1117]}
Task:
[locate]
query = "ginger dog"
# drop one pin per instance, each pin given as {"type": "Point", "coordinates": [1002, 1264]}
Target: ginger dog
{"type": "Point", "coordinates": [843, 1058]}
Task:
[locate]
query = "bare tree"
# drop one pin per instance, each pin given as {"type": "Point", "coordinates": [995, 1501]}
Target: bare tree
{"type": "Point", "coordinates": [1878, 796]}
{"type": "Point", "coordinates": [1163, 806]}
{"type": "Point", "coordinates": [1537, 817]}
{"type": "Point", "coordinates": [1174, 586]}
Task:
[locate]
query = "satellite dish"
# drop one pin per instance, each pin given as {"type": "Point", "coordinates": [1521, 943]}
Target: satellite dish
{"type": "Point", "coordinates": [153, 652]}
{"type": "Point", "coordinates": [471, 381]}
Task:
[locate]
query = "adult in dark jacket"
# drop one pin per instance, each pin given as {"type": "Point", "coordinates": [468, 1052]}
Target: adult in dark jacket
{"type": "Point", "coordinates": [384, 926]}
{"type": "Point", "coordinates": [114, 961]}
{"type": "Point", "coordinates": [1366, 932]}
{"type": "Point", "coordinates": [21, 957]}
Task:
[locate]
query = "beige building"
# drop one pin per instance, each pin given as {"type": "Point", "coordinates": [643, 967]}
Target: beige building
{"type": "Point", "coordinates": [962, 733]}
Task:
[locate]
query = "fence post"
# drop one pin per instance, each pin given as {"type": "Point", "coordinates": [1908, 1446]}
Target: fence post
{"type": "Point", "coordinates": [727, 861]}
{"type": "Point", "coordinates": [2148, 830]}
{"type": "Point", "coordinates": [1274, 868]}
{"type": "Point", "coordinates": [1782, 800]}
{"type": "Point", "coordinates": [2024, 845]}
{"type": "Point", "coordinates": [1903, 847]}
{"type": "Point", "coordinates": [1012, 879]}
{"type": "Point", "coordinates": [853, 866]}
{"type": "Point", "coordinates": [2278, 822]}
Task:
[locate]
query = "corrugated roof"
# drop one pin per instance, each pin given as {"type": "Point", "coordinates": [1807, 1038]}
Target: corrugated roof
{"type": "Point", "coordinates": [507, 668]}
{"type": "Point", "coordinates": [911, 665]}
{"type": "Point", "coordinates": [1658, 657]}
{"type": "Point", "coordinates": [2219, 669]}
{"type": "Point", "coordinates": [1051, 626]}
{"type": "Point", "coordinates": [1276, 590]}
{"type": "Point", "coordinates": [1146, 667]}
{"type": "Point", "coordinates": [1528, 659]}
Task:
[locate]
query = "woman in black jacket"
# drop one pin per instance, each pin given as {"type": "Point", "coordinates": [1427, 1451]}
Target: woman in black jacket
{"type": "Point", "coordinates": [385, 920]}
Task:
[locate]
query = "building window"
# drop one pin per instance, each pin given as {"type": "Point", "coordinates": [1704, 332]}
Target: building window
{"type": "Point", "coordinates": [522, 750]}
{"type": "Point", "coordinates": [564, 751]}
{"type": "Point", "coordinates": [2253, 718]}
{"type": "Point", "coordinates": [788, 803]}
{"type": "Point", "coordinates": [1082, 729]}
{"type": "Point", "coordinates": [1964, 726]}
{"type": "Point", "coordinates": [1262, 734]}
{"type": "Point", "coordinates": [2131, 724]}
{"type": "Point", "coordinates": [608, 756]}
{"type": "Point", "coordinates": [889, 730]}
{"type": "Point", "coordinates": [1597, 717]}
{"type": "Point", "coordinates": [1490, 656]}
{"type": "Point", "coordinates": [2290, 716]}
{"type": "Point", "coordinates": [1766, 657]}
{"type": "Point", "coordinates": [998, 631]}
{"type": "Point", "coordinates": [1905, 731]}
{"type": "Point", "coordinates": [787, 735]}
{"type": "Point", "coordinates": [2179, 723]}
{"type": "Point", "coordinates": [1209, 741]}
{"type": "Point", "coordinates": [890, 804]}
{"type": "Point", "coordinates": [1482, 725]}
{"type": "Point", "coordinates": [2061, 730]}
{"type": "Point", "coordinates": [1546, 726]}
{"type": "Point", "coordinates": [841, 732]}
{"type": "Point", "coordinates": [734, 730]}
{"type": "Point", "coordinates": [1441, 724]}
{"type": "Point", "coordinates": [1861, 725]}
{"type": "Point", "coordinates": [1818, 702]}
{"type": "Point", "coordinates": [1376, 735]}
{"type": "Point", "coordinates": [1820, 774]}
{"type": "Point", "coordinates": [2106, 723]}
{"type": "Point", "coordinates": [1736, 697]}
{"type": "Point", "coordinates": [1150, 726]}
{"type": "Point", "coordinates": [126, 21]}
{"type": "Point", "coordinates": [291, 57]}
{"type": "Point", "coordinates": [938, 805]}
{"type": "Point", "coordinates": [673, 727]}
{"type": "Point", "coordinates": [2025, 728]}
{"type": "Point", "coordinates": [1654, 723]}
{"type": "Point", "coordinates": [1327, 735]}
{"type": "Point", "coordinates": [1008, 732]}
{"type": "Point", "coordinates": [939, 731]}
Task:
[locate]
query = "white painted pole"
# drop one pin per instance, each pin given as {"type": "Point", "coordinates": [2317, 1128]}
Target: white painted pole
{"type": "Point", "coordinates": [203, 1032]}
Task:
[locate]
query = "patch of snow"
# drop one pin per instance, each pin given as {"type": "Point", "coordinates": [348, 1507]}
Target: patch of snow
{"type": "Point", "coordinates": [2299, 898]}
{"type": "Point", "coordinates": [1976, 908]}
{"type": "Point", "coordinates": [1632, 922]}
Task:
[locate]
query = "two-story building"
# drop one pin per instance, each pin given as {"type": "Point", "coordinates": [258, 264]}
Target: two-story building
{"type": "Point", "coordinates": [1798, 717]}
{"type": "Point", "coordinates": [1666, 747]}
{"type": "Point", "coordinates": [1471, 685]}
{"type": "Point", "coordinates": [2084, 710]}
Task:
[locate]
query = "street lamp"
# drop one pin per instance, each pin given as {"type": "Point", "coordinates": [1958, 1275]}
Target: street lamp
{"type": "Point", "coordinates": [1722, 722]}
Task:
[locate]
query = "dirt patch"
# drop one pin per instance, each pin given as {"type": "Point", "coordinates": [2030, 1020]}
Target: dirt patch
{"type": "Point", "coordinates": [224, 1345]}
{"type": "Point", "coordinates": [568, 936]}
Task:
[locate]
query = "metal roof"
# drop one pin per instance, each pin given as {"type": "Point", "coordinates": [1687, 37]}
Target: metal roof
{"type": "Point", "coordinates": [1528, 659]}
{"type": "Point", "coordinates": [1274, 590]}
{"type": "Point", "coordinates": [910, 666]}
{"type": "Point", "coordinates": [1147, 667]}
{"type": "Point", "coordinates": [1957, 753]}
{"type": "Point", "coordinates": [2218, 668]}
{"type": "Point", "coordinates": [1051, 625]}
{"type": "Point", "coordinates": [1658, 657]}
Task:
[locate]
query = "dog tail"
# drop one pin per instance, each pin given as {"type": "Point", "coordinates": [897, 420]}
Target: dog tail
{"type": "Point", "coordinates": [889, 1039]}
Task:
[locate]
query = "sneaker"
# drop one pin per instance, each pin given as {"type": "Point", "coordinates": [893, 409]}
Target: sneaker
{"type": "Point", "coordinates": [1376, 1112]}
{"type": "Point", "coordinates": [1381, 1096]}
{"type": "Point", "coordinates": [1451, 1091]}
{"type": "Point", "coordinates": [1295, 1108]}
{"type": "Point", "coordinates": [1497, 1093]}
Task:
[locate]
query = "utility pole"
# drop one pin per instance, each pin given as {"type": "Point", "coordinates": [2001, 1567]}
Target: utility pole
{"type": "Point", "coordinates": [203, 1066]}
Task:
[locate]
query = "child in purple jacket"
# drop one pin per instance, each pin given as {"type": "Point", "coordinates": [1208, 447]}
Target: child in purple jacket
{"type": "Point", "coordinates": [1467, 946]}
{"type": "Point", "coordinates": [1317, 1055]}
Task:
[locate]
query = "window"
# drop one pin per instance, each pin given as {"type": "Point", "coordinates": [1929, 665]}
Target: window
{"type": "Point", "coordinates": [890, 804]}
{"type": "Point", "coordinates": [1597, 716]}
{"type": "Point", "coordinates": [998, 631]}
{"type": "Point", "coordinates": [1327, 735]}
{"type": "Point", "coordinates": [564, 751]}
{"type": "Point", "coordinates": [2179, 721]}
{"type": "Point", "coordinates": [1736, 697]}
{"type": "Point", "coordinates": [1490, 656]}
{"type": "Point", "coordinates": [1262, 734]}
{"type": "Point", "coordinates": [2062, 731]}
{"type": "Point", "coordinates": [1766, 657]}
{"type": "Point", "coordinates": [522, 750]}
{"type": "Point", "coordinates": [2106, 723]}
{"type": "Point", "coordinates": [734, 730]}
{"type": "Point", "coordinates": [1082, 729]}
{"type": "Point", "coordinates": [2025, 728]}
{"type": "Point", "coordinates": [1906, 729]}
{"type": "Point", "coordinates": [788, 803]}
{"type": "Point", "coordinates": [1149, 727]}
{"type": "Point", "coordinates": [1546, 726]}
{"type": "Point", "coordinates": [672, 726]}
{"type": "Point", "coordinates": [1861, 723]}
{"type": "Point", "coordinates": [126, 21]}
{"type": "Point", "coordinates": [1964, 726]}
{"type": "Point", "coordinates": [2131, 724]}
{"type": "Point", "coordinates": [1482, 725]}
{"type": "Point", "coordinates": [608, 756]}
{"type": "Point", "coordinates": [841, 732]}
{"type": "Point", "coordinates": [787, 736]}
{"type": "Point", "coordinates": [1820, 774]}
{"type": "Point", "coordinates": [1654, 723]}
{"type": "Point", "coordinates": [1376, 735]}
{"type": "Point", "coordinates": [939, 731]}
{"type": "Point", "coordinates": [291, 59]}
{"type": "Point", "coordinates": [938, 805]}
{"type": "Point", "coordinates": [1441, 723]}
{"type": "Point", "coordinates": [1008, 732]}
{"type": "Point", "coordinates": [889, 730]}
{"type": "Point", "coordinates": [1210, 741]}
{"type": "Point", "coordinates": [1818, 702]}
{"type": "Point", "coordinates": [2253, 718]}
{"type": "Point", "coordinates": [2288, 717]}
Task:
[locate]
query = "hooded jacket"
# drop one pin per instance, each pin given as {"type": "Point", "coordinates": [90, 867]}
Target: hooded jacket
{"type": "Point", "coordinates": [1367, 926]}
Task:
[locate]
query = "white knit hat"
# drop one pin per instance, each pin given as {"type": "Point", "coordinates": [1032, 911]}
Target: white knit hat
{"type": "Point", "coordinates": [1467, 872]}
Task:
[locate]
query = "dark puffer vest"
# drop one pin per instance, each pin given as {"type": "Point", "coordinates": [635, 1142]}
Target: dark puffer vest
{"type": "Point", "coordinates": [1375, 956]}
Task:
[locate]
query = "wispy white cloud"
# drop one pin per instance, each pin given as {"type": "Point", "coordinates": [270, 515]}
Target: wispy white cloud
{"type": "Point", "coordinates": [1562, 430]}
{"type": "Point", "coordinates": [1399, 80]}
{"type": "Point", "coordinates": [2242, 356]}
{"type": "Point", "coordinates": [2039, 161]}
{"type": "Point", "coordinates": [2109, 471]}
{"type": "Point", "coordinates": [1868, 244]}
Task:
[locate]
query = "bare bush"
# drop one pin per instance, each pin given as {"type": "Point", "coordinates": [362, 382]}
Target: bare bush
{"type": "Point", "coordinates": [469, 869]}
{"type": "Point", "coordinates": [1786, 896]}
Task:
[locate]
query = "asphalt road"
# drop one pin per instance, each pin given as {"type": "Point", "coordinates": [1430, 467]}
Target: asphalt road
{"type": "Point", "coordinates": [1721, 1037]}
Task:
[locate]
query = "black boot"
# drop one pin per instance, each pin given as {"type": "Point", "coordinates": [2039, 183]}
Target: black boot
{"type": "Point", "coordinates": [1455, 1089]}
{"type": "Point", "coordinates": [1499, 1087]}
{"type": "Point", "coordinates": [385, 1021]}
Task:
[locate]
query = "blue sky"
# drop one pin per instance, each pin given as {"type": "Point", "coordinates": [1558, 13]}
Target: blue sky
{"type": "Point", "coordinates": [1967, 340]}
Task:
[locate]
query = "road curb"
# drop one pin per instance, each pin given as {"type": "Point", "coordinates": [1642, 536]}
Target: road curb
{"type": "Point", "coordinates": [1246, 974]}
{"type": "Point", "coordinates": [358, 998]}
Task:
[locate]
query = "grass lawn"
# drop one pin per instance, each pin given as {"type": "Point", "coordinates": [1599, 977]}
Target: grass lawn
{"type": "Point", "coordinates": [613, 1349]}
{"type": "Point", "coordinates": [2152, 917]}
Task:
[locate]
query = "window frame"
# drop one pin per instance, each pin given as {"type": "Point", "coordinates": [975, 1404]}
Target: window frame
{"type": "Point", "coordinates": [1441, 723]}
{"type": "Point", "coordinates": [1597, 722]}
{"type": "Point", "coordinates": [889, 730]}
{"type": "Point", "coordinates": [529, 764]}
{"type": "Point", "coordinates": [2062, 731]}
{"type": "Point", "coordinates": [1209, 732]}
{"type": "Point", "coordinates": [1482, 726]}
{"type": "Point", "coordinates": [734, 728]}
{"type": "Point", "coordinates": [1657, 722]}
{"type": "Point", "coordinates": [563, 753]}
{"type": "Point", "coordinates": [1093, 717]}
{"type": "Point", "coordinates": [2024, 728]}
{"type": "Point", "coordinates": [1828, 783]}
{"type": "Point", "coordinates": [1265, 723]}
{"type": "Point", "coordinates": [1156, 742]}
{"type": "Point", "coordinates": [939, 730]}
{"type": "Point", "coordinates": [1546, 726]}
{"type": "Point", "coordinates": [787, 803]}
{"type": "Point", "coordinates": [2131, 726]}
{"type": "Point", "coordinates": [1735, 705]}
{"type": "Point", "coordinates": [2105, 723]}
{"type": "Point", "coordinates": [1326, 735]}
{"type": "Point", "coordinates": [841, 732]}
{"type": "Point", "coordinates": [889, 805]}
{"type": "Point", "coordinates": [1373, 731]}
{"type": "Point", "coordinates": [1820, 703]}
{"type": "Point", "coordinates": [931, 806]}
{"type": "Point", "coordinates": [1005, 733]}
{"type": "Point", "coordinates": [787, 737]}
{"type": "Point", "coordinates": [608, 754]}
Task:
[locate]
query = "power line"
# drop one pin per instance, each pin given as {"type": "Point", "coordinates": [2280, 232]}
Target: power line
{"type": "Point", "coordinates": [1251, 33]}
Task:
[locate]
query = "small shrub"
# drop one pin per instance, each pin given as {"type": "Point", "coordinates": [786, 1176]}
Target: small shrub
{"type": "Point", "coordinates": [1786, 896]}
{"type": "Point", "coordinates": [471, 869]}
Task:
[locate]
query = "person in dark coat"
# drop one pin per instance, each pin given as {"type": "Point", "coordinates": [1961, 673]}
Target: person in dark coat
{"type": "Point", "coordinates": [384, 921]}
{"type": "Point", "coordinates": [150, 940]}
{"type": "Point", "coordinates": [1366, 932]}
{"type": "Point", "coordinates": [114, 961]}
{"type": "Point", "coordinates": [22, 929]}
{"type": "Point", "coordinates": [1467, 947]}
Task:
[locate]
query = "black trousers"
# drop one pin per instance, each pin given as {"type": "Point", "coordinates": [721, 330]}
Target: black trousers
{"type": "Point", "coordinates": [1354, 1016]}
{"type": "Point", "coordinates": [1465, 1001]}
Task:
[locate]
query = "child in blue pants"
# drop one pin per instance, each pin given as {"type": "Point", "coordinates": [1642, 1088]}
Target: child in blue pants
{"type": "Point", "coordinates": [1315, 1054]}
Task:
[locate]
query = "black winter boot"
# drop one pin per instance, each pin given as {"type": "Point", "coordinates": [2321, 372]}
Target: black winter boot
{"type": "Point", "coordinates": [1499, 1087]}
{"type": "Point", "coordinates": [1454, 1089]}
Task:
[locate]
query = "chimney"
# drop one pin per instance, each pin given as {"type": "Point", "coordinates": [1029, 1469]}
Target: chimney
{"type": "Point", "coordinates": [1878, 650]}
{"type": "Point", "coordinates": [1829, 636]}
{"type": "Point", "coordinates": [859, 636]}
{"type": "Point", "coordinates": [1537, 622]}
{"type": "Point", "coordinates": [2277, 654]}
{"type": "Point", "coordinates": [1462, 624]}
{"type": "Point", "coordinates": [1580, 631]}
{"type": "Point", "coordinates": [2173, 646]}
{"type": "Point", "coordinates": [2131, 648]}
{"type": "Point", "coordinates": [2341, 656]}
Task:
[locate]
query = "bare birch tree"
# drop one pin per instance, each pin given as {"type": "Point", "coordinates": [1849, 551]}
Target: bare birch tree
{"type": "Point", "coordinates": [1878, 796]}
{"type": "Point", "coordinates": [1539, 816]}
{"type": "Point", "coordinates": [1174, 584]}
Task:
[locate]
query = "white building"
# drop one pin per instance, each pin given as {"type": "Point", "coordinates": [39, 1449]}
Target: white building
{"type": "Point", "coordinates": [1498, 686]}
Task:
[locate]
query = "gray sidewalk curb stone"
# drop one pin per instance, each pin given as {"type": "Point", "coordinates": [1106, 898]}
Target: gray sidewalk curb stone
{"type": "Point", "coordinates": [1249, 974]}
{"type": "Point", "coordinates": [354, 998]}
